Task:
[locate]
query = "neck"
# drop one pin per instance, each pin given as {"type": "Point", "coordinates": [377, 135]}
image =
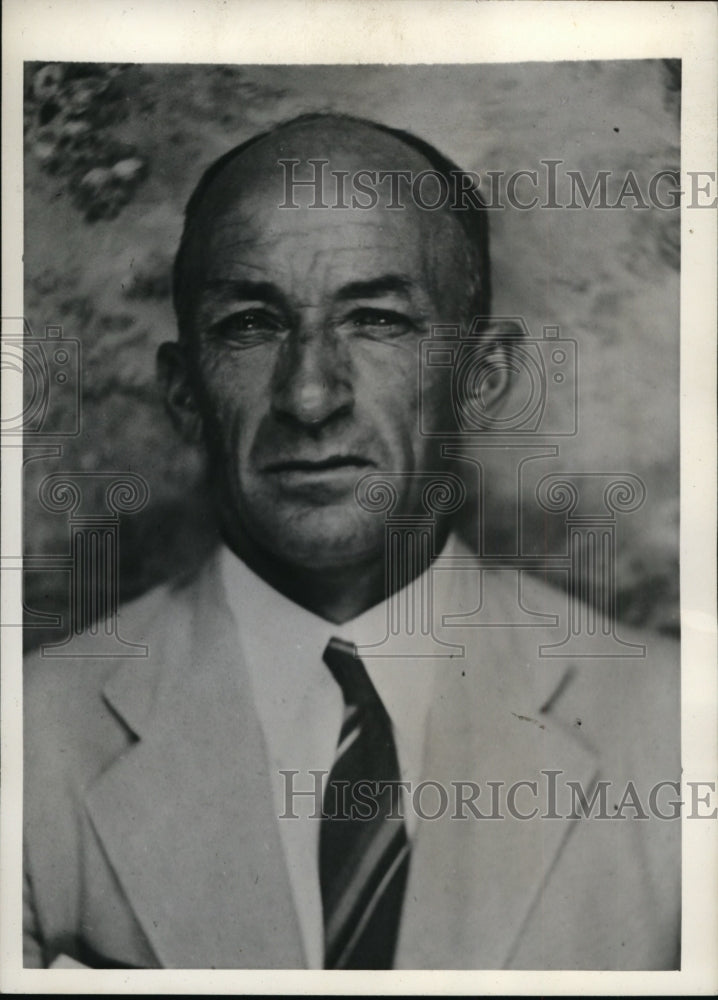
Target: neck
{"type": "Point", "coordinates": [335, 593]}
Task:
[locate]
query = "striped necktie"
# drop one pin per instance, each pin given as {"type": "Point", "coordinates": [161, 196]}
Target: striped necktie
{"type": "Point", "coordinates": [363, 848]}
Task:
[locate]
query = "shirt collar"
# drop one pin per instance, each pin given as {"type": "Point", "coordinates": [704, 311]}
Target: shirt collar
{"type": "Point", "coordinates": [283, 645]}
{"type": "Point", "coordinates": [272, 620]}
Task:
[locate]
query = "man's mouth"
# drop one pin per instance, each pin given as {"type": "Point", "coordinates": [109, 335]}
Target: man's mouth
{"type": "Point", "coordinates": [333, 472]}
{"type": "Point", "coordinates": [330, 462]}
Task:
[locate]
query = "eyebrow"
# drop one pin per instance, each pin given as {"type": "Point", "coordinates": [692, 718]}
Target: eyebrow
{"type": "Point", "coordinates": [375, 287]}
{"type": "Point", "coordinates": [266, 291]}
{"type": "Point", "coordinates": [263, 291]}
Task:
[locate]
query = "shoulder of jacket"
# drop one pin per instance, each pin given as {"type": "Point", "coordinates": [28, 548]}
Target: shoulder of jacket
{"type": "Point", "coordinates": [71, 680]}
{"type": "Point", "coordinates": [71, 730]}
{"type": "Point", "coordinates": [615, 703]}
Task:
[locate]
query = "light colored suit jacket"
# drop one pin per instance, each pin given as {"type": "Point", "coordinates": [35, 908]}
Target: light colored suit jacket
{"type": "Point", "coordinates": [152, 840]}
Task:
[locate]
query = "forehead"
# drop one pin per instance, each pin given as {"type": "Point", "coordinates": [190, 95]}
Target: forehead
{"type": "Point", "coordinates": [244, 215]}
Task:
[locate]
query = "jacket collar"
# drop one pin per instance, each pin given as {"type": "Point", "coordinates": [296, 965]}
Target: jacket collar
{"type": "Point", "coordinates": [199, 865]}
{"type": "Point", "coordinates": [475, 883]}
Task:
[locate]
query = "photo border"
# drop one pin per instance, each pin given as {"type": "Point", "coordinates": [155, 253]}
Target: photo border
{"type": "Point", "coordinates": [404, 31]}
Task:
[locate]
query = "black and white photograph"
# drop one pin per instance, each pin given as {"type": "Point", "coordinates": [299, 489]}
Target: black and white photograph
{"type": "Point", "coordinates": [350, 610]}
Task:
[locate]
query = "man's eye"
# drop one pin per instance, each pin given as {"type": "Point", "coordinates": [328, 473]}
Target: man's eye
{"type": "Point", "coordinates": [252, 325]}
{"type": "Point", "coordinates": [380, 322]}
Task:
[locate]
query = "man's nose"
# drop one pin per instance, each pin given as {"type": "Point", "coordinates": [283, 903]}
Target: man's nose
{"type": "Point", "coordinates": [312, 380]}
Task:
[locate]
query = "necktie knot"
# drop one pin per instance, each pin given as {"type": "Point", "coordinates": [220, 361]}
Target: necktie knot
{"type": "Point", "coordinates": [350, 673]}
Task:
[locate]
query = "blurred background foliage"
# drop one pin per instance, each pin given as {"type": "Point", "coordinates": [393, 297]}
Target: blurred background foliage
{"type": "Point", "coordinates": [112, 154]}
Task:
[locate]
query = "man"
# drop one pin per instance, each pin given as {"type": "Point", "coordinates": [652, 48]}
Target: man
{"type": "Point", "coordinates": [256, 794]}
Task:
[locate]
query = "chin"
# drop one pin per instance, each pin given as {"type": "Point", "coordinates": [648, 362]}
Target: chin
{"type": "Point", "coordinates": [323, 541]}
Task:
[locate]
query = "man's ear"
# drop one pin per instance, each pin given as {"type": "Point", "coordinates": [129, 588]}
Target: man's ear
{"type": "Point", "coordinates": [179, 396]}
{"type": "Point", "coordinates": [486, 379]}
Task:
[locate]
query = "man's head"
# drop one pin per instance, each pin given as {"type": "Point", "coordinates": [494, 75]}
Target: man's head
{"type": "Point", "coordinates": [300, 330]}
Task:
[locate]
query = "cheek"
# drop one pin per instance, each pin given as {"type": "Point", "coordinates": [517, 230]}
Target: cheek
{"type": "Point", "coordinates": [434, 397]}
{"type": "Point", "coordinates": [435, 407]}
{"type": "Point", "coordinates": [386, 386]}
{"type": "Point", "coordinates": [234, 395]}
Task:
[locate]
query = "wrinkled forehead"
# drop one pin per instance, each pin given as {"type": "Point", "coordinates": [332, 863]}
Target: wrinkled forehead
{"type": "Point", "coordinates": [304, 179]}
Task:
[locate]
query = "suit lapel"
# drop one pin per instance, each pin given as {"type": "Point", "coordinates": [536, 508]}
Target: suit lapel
{"type": "Point", "coordinates": [474, 883]}
{"type": "Point", "coordinates": [185, 816]}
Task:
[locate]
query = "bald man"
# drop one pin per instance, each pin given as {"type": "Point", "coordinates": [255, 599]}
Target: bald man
{"type": "Point", "coordinates": [258, 793]}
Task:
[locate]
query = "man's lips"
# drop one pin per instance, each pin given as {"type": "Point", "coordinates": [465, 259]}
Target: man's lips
{"type": "Point", "coordinates": [316, 465]}
{"type": "Point", "coordinates": [321, 478]}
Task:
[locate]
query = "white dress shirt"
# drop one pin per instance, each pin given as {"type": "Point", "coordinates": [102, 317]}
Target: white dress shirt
{"type": "Point", "coordinates": [300, 709]}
